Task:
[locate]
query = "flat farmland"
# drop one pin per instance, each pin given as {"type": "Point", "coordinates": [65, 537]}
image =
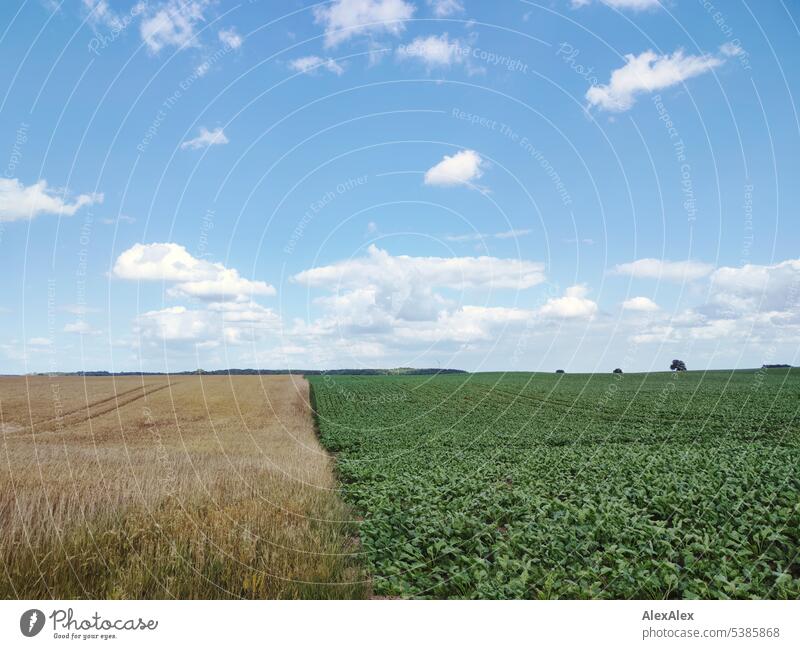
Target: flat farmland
{"type": "Point", "coordinates": [168, 486]}
{"type": "Point", "coordinates": [683, 485]}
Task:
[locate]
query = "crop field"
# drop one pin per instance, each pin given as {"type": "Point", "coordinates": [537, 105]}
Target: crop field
{"type": "Point", "coordinates": [683, 485]}
{"type": "Point", "coordinates": [168, 487]}
{"type": "Point", "coordinates": [463, 485]}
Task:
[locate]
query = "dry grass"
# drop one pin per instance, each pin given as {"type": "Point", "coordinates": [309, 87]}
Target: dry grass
{"type": "Point", "coordinates": [159, 487]}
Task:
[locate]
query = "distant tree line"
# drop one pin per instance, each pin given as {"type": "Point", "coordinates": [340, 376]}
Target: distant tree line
{"type": "Point", "coordinates": [240, 372]}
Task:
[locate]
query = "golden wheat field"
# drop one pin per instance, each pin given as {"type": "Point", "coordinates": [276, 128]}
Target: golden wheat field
{"type": "Point", "coordinates": [168, 487]}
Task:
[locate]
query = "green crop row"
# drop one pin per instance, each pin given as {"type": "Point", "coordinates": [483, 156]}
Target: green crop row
{"type": "Point", "coordinates": [572, 486]}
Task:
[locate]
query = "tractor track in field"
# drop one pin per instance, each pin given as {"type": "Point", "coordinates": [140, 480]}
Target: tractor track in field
{"type": "Point", "coordinates": [68, 419]}
{"type": "Point", "coordinates": [87, 406]}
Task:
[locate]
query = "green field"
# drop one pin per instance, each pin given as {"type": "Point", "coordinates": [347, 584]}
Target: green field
{"type": "Point", "coordinates": [518, 485]}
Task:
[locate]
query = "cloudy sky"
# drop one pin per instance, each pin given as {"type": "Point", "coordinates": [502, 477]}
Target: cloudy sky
{"type": "Point", "coordinates": [578, 184]}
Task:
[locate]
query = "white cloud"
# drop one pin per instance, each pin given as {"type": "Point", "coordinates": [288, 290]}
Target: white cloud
{"type": "Point", "coordinates": [18, 202]}
{"type": "Point", "coordinates": [731, 49]}
{"type": "Point", "coordinates": [101, 13]}
{"type": "Point", "coordinates": [81, 327]}
{"type": "Point", "coordinates": [676, 271]}
{"type": "Point", "coordinates": [394, 299]}
{"type": "Point", "coordinates": [574, 304]}
{"type": "Point", "coordinates": [164, 262]}
{"type": "Point", "coordinates": [227, 284]}
{"type": "Point", "coordinates": [228, 316]}
{"type": "Point", "coordinates": [466, 324]}
{"type": "Point", "coordinates": [172, 23]}
{"type": "Point", "coordinates": [765, 329]}
{"type": "Point", "coordinates": [479, 236]}
{"type": "Point", "coordinates": [747, 305]}
{"type": "Point", "coordinates": [372, 310]}
{"type": "Point", "coordinates": [442, 8]}
{"type": "Point", "coordinates": [309, 64]}
{"type": "Point", "coordinates": [163, 23]}
{"type": "Point", "coordinates": [659, 334]}
{"type": "Point", "coordinates": [635, 5]}
{"type": "Point", "coordinates": [446, 272]}
{"type": "Point", "coordinates": [640, 304]}
{"type": "Point", "coordinates": [175, 324]}
{"type": "Point", "coordinates": [197, 278]}
{"type": "Point", "coordinates": [461, 325]}
{"type": "Point", "coordinates": [472, 323]}
{"type": "Point", "coordinates": [217, 324]}
{"type": "Point", "coordinates": [774, 288]}
{"type": "Point", "coordinates": [344, 19]}
{"type": "Point", "coordinates": [645, 73]}
{"type": "Point", "coordinates": [433, 51]}
{"type": "Point", "coordinates": [397, 310]}
{"type": "Point", "coordinates": [206, 138]}
{"type": "Point", "coordinates": [230, 38]}
{"type": "Point", "coordinates": [459, 168]}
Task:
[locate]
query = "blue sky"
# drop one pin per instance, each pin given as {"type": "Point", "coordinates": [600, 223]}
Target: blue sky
{"type": "Point", "coordinates": [374, 183]}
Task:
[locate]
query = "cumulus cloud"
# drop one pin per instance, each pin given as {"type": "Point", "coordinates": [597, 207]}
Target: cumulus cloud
{"type": "Point", "coordinates": [647, 72]}
{"type": "Point", "coordinates": [433, 51]}
{"type": "Point", "coordinates": [752, 287]}
{"type": "Point", "coordinates": [309, 64]}
{"type": "Point", "coordinates": [226, 285]}
{"type": "Point", "coordinates": [380, 306]}
{"type": "Point", "coordinates": [457, 169]}
{"type": "Point", "coordinates": [206, 138]}
{"type": "Point", "coordinates": [635, 5]}
{"type": "Point", "coordinates": [750, 304]}
{"type": "Point", "coordinates": [445, 272]}
{"type": "Point", "coordinates": [162, 261]}
{"type": "Point", "coordinates": [192, 277]}
{"type": "Point", "coordinates": [230, 38]}
{"type": "Point", "coordinates": [573, 305]}
{"type": "Point", "coordinates": [344, 19]}
{"type": "Point", "coordinates": [762, 329]}
{"type": "Point", "coordinates": [676, 271]}
{"type": "Point", "coordinates": [640, 304]}
{"type": "Point", "coordinates": [442, 8]}
{"type": "Point", "coordinates": [172, 23]}
{"type": "Point", "coordinates": [460, 325]}
{"type": "Point", "coordinates": [175, 324]}
{"type": "Point", "coordinates": [227, 314]}
{"type": "Point", "coordinates": [466, 324]}
{"type": "Point", "coordinates": [218, 324]}
{"type": "Point", "coordinates": [18, 202]}
{"type": "Point", "coordinates": [397, 300]}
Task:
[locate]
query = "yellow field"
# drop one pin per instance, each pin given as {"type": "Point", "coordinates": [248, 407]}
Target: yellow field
{"type": "Point", "coordinates": [159, 487]}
